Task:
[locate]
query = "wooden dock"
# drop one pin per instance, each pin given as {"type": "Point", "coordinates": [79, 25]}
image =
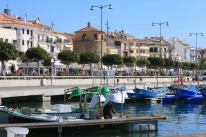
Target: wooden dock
{"type": "Point", "coordinates": [127, 123]}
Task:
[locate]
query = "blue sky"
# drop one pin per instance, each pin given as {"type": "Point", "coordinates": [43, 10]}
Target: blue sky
{"type": "Point", "coordinates": [133, 16]}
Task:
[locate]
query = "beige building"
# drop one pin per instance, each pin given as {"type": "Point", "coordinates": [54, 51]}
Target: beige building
{"type": "Point", "coordinates": [88, 39]}
{"type": "Point", "coordinates": [127, 45]}
{"type": "Point", "coordinates": [154, 47]}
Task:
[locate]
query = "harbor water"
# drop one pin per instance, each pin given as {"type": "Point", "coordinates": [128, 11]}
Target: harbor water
{"type": "Point", "coordinates": [181, 119]}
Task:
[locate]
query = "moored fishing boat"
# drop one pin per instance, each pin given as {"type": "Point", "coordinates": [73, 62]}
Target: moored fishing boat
{"type": "Point", "coordinates": [182, 93]}
{"type": "Point", "coordinates": [3, 114]}
{"type": "Point", "coordinates": [141, 94]}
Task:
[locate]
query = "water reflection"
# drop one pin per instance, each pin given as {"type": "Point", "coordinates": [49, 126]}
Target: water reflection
{"type": "Point", "coordinates": [182, 119]}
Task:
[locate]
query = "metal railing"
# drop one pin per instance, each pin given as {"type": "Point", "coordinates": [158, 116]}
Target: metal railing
{"type": "Point", "coordinates": [76, 77]}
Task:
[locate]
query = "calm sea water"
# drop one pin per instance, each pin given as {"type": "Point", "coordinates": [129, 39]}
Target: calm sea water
{"type": "Point", "coordinates": [182, 119]}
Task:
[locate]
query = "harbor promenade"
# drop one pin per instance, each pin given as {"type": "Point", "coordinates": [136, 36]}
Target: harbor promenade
{"type": "Point", "coordinates": [31, 86]}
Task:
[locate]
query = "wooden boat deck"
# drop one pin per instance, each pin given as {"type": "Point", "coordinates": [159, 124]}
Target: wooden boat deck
{"type": "Point", "coordinates": [85, 122]}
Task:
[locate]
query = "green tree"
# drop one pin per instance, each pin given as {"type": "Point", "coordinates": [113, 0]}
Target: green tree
{"type": "Point", "coordinates": [156, 62]}
{"type": "Point", "coordinates": [142, 63]}
{"type": "Point", "coordinates": [67, 57]}
{"type": "Point", "coordinates": [37, 54]}
{"type": "Point", "coordinates": [192, 66]}
{"type": "Point", "coordinates": [25, 60]}
{"type": "Point", "coordinates": [47, 63]}
{"type": "Point", "coordinates": [202, 64]}
{"type": "Point", "coordinates": [185, 65]}
{"type": "Point", "coordinates": [129, 61]}
{"type": "Point", "coordinates": [169, 63]}
{"type": "Point", "coordinates": [89, 58]}
{"type": "Point", "coordinates": [7, 52]}
{"type": "Point", "coordinates": [112, 59]}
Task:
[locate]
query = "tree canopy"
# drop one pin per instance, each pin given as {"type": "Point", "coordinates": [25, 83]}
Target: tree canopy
{"type": "Point", "coordinates": [169, 63]}
{"type": "Point", "coordinates": [185, 65]}
{"type": "Point", "coordinates": [129, 61]}
{"type": "Point", "coordinates": [142, 62]}
{"type": "Point", "coordinates": [89, 58]}
{"type": "Point", "coordinates": [7, 52]}
{"type": "Point", "coordinates": [67, 57]}
{"type": "Point", "coordinates": [37, 54]}
{"type": "Point", "coordinates": [156, 62]}
{"type": "Point", "coordinates": [47, 62]}
{"type": "Point", "coordinates": [112, 59]}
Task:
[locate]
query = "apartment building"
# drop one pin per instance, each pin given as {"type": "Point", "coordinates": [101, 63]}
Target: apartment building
{"type": "Point", "coordinates": [156, 49]}
{"type": "Point", "coordinates": [127, 45]}
{"type": "Point", "coordinates": [180, 50]}
{"type": "Point", "coordinates": [8, 35]}
{"type": "Point", "coordinates": [26, 33]}
{"type": "Point", "coordinates": [194, 54]}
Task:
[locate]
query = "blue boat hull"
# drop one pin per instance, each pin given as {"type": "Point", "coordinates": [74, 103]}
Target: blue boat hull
{"type": "Point", "coordinates": [203, 92]}
{"type": "Point", "coordinates": [141, 94]}
{"type": "Point", "coordinates": [198, 99]}
{"type": "Point", "coordinates": [186, 93]}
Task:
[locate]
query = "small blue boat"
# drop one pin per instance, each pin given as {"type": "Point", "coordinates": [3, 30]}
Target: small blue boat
{"type": "Point", "coordinates": [203, 92]}
{"type": "Point", "coordinates": [186, 92]}
{"type": "Point", "coordinates": [198, 99]}
{"type": "Point", "coordinates": [141, 94]}
{"type": "Point", "coordinates": [169, 100]}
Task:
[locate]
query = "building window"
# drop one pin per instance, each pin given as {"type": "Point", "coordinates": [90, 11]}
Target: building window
{"type": "Point", "coordinates": [31, 44]}
{"type": "Point", "coordinates": [155, 49]}
{"type": "Point", "coordinates": [22, 42]}
{"type": "Point", "coordinates": [47, 39]}
{"type": "Point", "coordinates": [27, 32]}
{"type": "Point", "coordinates": [130, 43]}
{"type": "Point", "coordinates": [14, 42]}
{"type": "Point", "coordinates": [151, 50]}
{"type": "Point", "coordinates": [22, 31]}
{"type": "Point", "coordinates": [38, 37]}
{"type": "Point", "coordinates": [84, 36]}
{"type": "Point", "coordinates": [6, 40]}
{"type": "Point", "coordinates": [27, 42]}
{"type": "Point", "coordinates": [31, 33]}
{"type": "Point", "coordinates": [95, 37]}
{"type": "Point", "coordinates": [117, 43]}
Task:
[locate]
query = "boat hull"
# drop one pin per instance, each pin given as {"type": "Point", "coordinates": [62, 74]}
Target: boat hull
{"type": "Point", "coordinates": [186, 93]}
{"type": "Point", "coordinates": [18, 118]}
{"type": "Point", "coordinates": [4, 116]}
{"type": "Point", "coordinates": [141, 94]}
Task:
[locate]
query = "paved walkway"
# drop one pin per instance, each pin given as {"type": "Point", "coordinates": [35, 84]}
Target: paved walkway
{"type": "Point", "coordinates": [34, 90]}
{"type": "Point", "coordinates": [39, 90]}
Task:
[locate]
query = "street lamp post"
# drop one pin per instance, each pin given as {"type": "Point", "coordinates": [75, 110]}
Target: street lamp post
{"type": "Point", "coordinates": [196, 58]}
{"type": "Point", "coordinates": [160, 27]}
{"type": "Point", "coordinates": [101, 7]}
